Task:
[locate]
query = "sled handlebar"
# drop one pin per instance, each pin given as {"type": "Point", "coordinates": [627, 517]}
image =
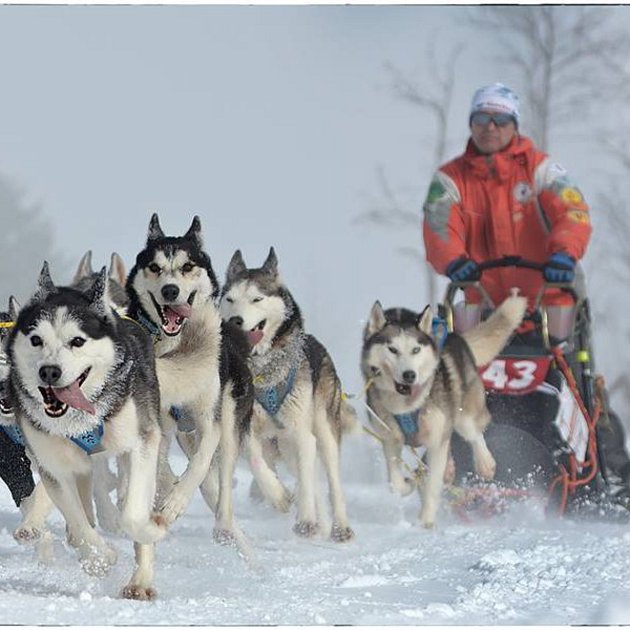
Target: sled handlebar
{"type": "Point", "coordinates": [511, 261]}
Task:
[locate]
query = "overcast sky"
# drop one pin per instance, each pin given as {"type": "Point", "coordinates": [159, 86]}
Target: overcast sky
{"type": "Point", "coordinates": [268, 122]}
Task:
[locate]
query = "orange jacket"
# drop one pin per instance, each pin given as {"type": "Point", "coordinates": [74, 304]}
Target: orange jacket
{"type": "Point", "coordinates": [515, 202]}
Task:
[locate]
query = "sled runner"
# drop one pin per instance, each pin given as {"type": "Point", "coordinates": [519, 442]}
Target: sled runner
{"type": "Point", "coordinates": [547, 405]}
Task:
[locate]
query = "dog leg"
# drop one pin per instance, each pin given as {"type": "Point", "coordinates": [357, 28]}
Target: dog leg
{"type": "Point", "coordinates": [437, 457]}
{"type": "Point", "coordinates": [35, 511]}
{"type": "Point", "coordinates": [95, 556]}
{"type": "Point", "coordinates": [265, 477]}
{"type": "Point", "coordinates": [328, 447]}
{"type": "Point", "coordinates": [104, 482]}
{"type": "Point", "coordinates": [306, 524]}
{"type": "Point", "coordinates": [140, 586]}
{"type": "Point", "coordinates": [136, 518]}
{"type": "Point", "coordinates": [469, 429]}
{"type": "Point", "coordinates": [84, 485]}
{"type": "Point", "coordinates": [210, 486]}
{"type": "Point", "coordinates": [180, 495]}
{"type": "Point", "coordinates": [392, 449]}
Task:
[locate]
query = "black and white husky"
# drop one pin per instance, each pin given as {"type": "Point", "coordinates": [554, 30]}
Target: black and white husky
{"type": "Point", "coordinates": [421, 393]}
{"type": "Point", "coordinates": [205, 386]}
{"type": "Point", "coordinates": [82, 382]}
{"type": "Point", "coordinates": [298, 394]}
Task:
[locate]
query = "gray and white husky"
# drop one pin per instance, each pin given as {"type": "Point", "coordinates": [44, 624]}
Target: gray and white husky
{"type": "Point", "coordinates": [205, 387]}
{"type": "Point", "coordinates": [82, 381]}
{"type": "Point", "coordinates": [422, 393]}
{"type": "Point", "coordinates": [298, 395]}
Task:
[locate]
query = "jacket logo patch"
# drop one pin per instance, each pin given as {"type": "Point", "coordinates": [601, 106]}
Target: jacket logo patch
{"type": "Point", "coordinates": [571, 196]}
{"type": "Point", "coordinates": [437, 208]}
{"type": "Point", "coordinates": [522, 192]}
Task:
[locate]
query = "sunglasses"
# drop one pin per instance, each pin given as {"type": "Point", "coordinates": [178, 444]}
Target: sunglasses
{"type": "Point", "coordinates": [484, 119]}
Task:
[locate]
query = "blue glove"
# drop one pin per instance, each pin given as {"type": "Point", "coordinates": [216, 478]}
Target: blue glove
{"type": "Point", "coordinates": [559, 268]}
{"type": "Point", "coordinates": [463, 269]}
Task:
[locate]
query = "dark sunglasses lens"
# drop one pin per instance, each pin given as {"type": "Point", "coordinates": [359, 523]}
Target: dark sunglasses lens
{"type": "Point", "coordinates": [500, 120]}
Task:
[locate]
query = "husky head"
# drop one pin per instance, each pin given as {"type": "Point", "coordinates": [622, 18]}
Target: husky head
{"type": "Point", "coordinates": [171, 276]}
{"type": "Point", "coordinates": [85, 276]}
{"type": "Point", "coordinates": [61, 351]}
{"type": "Point", "coordinates": [398, 350]}
{"type": "Point", "coordinates": [256, 301]}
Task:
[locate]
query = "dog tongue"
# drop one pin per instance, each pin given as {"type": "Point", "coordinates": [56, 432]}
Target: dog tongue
{"type": "Point", "coordinates": [254, 337]}
{"type": "Point", "coordinates": [73, 396]}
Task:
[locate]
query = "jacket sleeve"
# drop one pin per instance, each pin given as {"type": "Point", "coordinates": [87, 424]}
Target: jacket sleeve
{"type": "Point", "coordinates": [564, 210]}
{"type": "Point", "coordinates": [443, 225]}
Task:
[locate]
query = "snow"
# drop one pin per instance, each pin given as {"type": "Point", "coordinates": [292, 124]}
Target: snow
{"type": "Point", "coordinates": [519, 567]}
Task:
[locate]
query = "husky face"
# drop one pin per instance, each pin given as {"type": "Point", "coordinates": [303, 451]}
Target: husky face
{"type": "Point", "coordinates": [255, 301]}
{"type": "Point", "coordinates": [85, 277]}
{"type": "Point", "coordinates": [62, 352]}
{"type": "Point", "coordinates": [171, 275]}
{"type": "Point", "coordinates": [399, 351]}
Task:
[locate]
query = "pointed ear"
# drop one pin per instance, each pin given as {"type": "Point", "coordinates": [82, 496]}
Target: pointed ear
{"type": "Point", "coordinates": [155, 231]}
{"type": "Point", "coordinates": [117, 269]}
{"type": "Point", "coordinates": [270, 265]}
{"type": "Point", "coordinates": [376, 320]}
{"type": "Point", "coordinates": [194, 231]}
{"type": "Point", "coordinates": [236, 267]}
{"type": "Point", "coordinates": [45, 285]}
{"type": "Point", "coordinates": [84, 270]}
{"type": "Point", "coordinates": [425, 321]}
{"type": "Point", "coordinates": [99, 295]}
{"type": "Point", "coordinates": [14, 308]}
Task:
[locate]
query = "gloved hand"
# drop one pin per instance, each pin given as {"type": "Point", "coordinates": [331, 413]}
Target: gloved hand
{"type": "Point", "coordinates": [463, 269]}
{"type": "Point", "coordinates": [559, 268]}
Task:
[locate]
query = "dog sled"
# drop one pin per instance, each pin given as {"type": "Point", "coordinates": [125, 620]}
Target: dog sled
{"type": "Point", "coordinates": [549, 409]}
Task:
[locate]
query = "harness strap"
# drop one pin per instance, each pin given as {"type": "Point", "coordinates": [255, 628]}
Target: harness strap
{"type": "Point", "coordinates": [146, 324]}
{"type": "Point", "coordinates": [13, 432]}
{"type": "Point", "coordinates": [271, 398]}
{"type": "Point", "coordinates": [408, 423]}
{"type": "Point", "coordinates": [90, 441]}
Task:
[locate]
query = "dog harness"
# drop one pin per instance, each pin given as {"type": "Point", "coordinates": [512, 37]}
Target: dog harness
{"type": "Point", "coordinates": [409, 424]}
{"type": "Point", "coordinates": [90, 441]}
{"type": "Point", "coordinates": [147, 324]}
{"type": "Point", "coordinates": [271, 398]}
{"type": "Point", "coordinates": [184, 422]}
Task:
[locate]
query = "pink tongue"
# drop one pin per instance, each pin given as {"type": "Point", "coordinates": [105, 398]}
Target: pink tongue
{"type": "Point", "coordinates": [174, 313]}
{"type": "Point", "coordinates": [73, 396]}
{"type": "Point", "coordinates": [254, 337]}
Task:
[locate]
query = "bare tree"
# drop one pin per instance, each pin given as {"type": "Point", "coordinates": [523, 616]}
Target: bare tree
{"type": "Point", "coordinates": [25, 242]}
{"type": "Point", "coordinates": [564, 54]}
{"type": "Point", "coordinates": [435, 98]}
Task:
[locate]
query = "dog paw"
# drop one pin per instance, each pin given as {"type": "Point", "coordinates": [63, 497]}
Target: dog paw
{"type": "Point", "coordinates": [98, 564]}
{"type": "Point", "coordinates": [403, 486]}
{"type": "Point", "coordinates": [341, 534]}
{"type": "Point", "coordinates": [427, 524]}
{"type": "Point", "coordinates": [486, 467]}
{"type": "Point", "coordinates": [306, 529]}
{"type": "Point", "coordinates": [139, 593]}
{"type": "Point", "coordinates": [173, 507]}
{"type": "Point", "coordinates": [26, 534]}
{"type": "Point", "coordinates": [284, 502]}
{"type": "Point", "coordinates": [224, 537]}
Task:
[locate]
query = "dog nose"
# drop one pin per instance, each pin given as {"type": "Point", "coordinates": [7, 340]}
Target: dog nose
{"type": "Point", "coordinates": [236, 320]}
{"type": "Point", "coordinates": [50, 374]}
{"type": "Point", "coordinates": [170, 292]}
{"type": "Point", "coordinates": [409, 376]}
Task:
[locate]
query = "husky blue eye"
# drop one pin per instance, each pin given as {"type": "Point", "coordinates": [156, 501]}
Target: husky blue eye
{"type": "Point", "coordinates": [36, 340]}
{"type": "Point", "coordinates": [77, 342]}
{"type": "Point", "coordinates": [415, 350]}
{"type": "Point", "coordinates": [392, 349]}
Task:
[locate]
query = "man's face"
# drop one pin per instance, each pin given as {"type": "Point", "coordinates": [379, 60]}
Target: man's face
{"type": "Point", "coordinates": [490, 132]}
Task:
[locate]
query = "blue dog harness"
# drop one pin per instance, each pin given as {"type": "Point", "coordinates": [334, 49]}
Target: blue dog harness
{"type": "Point", "coordinates": [271, 398]}
{"type": "Point", "coordinates": [409, 424]}
{"type": "Point", "coordinates": [90, 441]}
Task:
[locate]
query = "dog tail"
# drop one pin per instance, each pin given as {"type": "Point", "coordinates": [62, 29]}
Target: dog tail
{"type": "Point", "coordinates": [488, 338]}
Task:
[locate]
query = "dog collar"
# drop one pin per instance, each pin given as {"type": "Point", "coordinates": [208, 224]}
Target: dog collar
{"type": "Point", "coordinates": [13, 432]}
{"type": "Point", "coordinates": [271, 398]}
{"type": "Point", "coordinates": [148, 325]}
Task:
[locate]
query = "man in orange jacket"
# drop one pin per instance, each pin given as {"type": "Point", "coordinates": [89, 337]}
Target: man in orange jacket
{"type": "Point", "coordinates": [504, 197]}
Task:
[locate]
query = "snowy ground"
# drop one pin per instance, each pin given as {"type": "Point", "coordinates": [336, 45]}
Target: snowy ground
{"type": "Point", "coordinates": [518, 568]}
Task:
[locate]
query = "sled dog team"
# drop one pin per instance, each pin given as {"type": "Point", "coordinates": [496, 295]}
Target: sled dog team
{"type": "Point", "coordinates": [118, 366]}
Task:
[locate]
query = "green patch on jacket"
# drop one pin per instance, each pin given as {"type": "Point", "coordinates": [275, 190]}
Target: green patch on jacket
{"type": "Point", "coordinates": [437, 208]}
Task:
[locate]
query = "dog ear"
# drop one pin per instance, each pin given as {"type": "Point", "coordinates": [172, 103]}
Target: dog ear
{"type": "Point", "coordinates": [45, 285]}
{"type": "Point", "coordinates": [376, 320]}
{"type": "Point", "coordinates": [194, 232]}
{"type": "Point", "coordinates": [270, 265]}
{"type": "Point", "coordinates": [236, 267]}
{"type": "Point", "coordinates": [424, 323]}
{"type": "Point", "coordinates": [84, 270]}
{"type": "Point", "coordinates": [117, 269]}
{"type": "Point", "coordinates": [155, 231]}
{"type": "Point", "coordinates": [14, 308]}
{"type": "Point", "coordinates": [99, 295]}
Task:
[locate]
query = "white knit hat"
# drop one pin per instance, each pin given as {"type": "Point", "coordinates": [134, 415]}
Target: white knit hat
{"type": "Point", "coordinates": [496, 97]}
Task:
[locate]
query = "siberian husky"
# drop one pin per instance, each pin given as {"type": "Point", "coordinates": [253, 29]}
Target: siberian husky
{"type": "Point", "coordinates": [205, 386]}
{"type": "Point", "coordinates": [298, 395]}
{"type": "Point", "coordinates": [423, 393]}
{"type": "Point", "coordinates": [83, 380]}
